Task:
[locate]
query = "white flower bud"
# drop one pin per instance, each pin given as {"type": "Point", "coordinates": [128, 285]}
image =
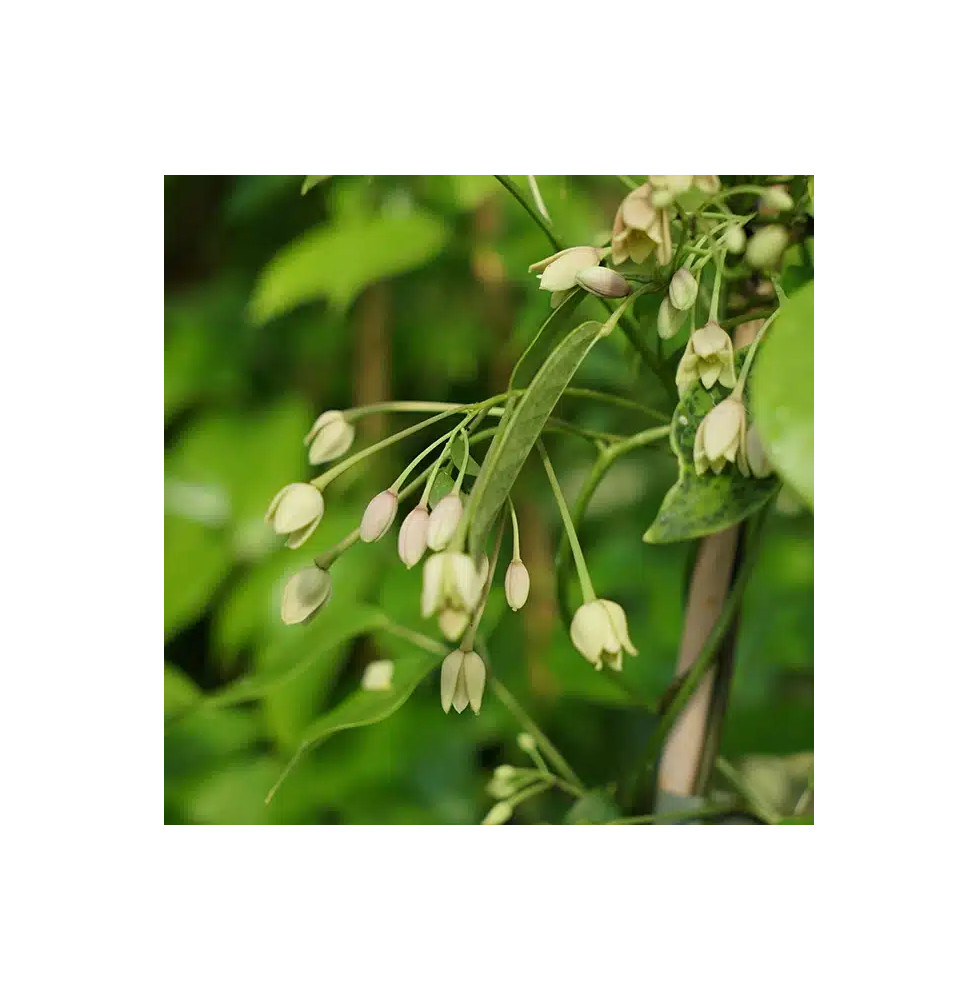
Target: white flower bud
{"type": "Point", "coordinates": [777, 200]}
{"type": "Point", "coordinates": [305, 593]}
{"type": "Point", "coordinates": [526, 742]}
{"type": "Point", "coordinates": [682, 290]}
{"type": "Point", "coordinates": [719, 436]}
{"type": "Point", "coordinates": [599, 631]}
{"type": "Point", "coordinates": [443, 521]}
{"type": "Point", "coordinates": [330, 437]}
{"type": "Point", "coordinates": [669, 320]}
{"type": "Point", "coordinates": [296, 511]}
{"type": "Point", "coordinates": [378, 516]}
{"type": "Point", "coordinates": [517, 584]}
{"type": "Point", "coordinates": [754, 459]}
{"type": "Point", "coordinates": [602, 281]}
{"type": "Point", "coordinates": [559, 271]}
{"type": "Point", "coordinates": [709, 358]}
{"type": "Point", "coordinates": [765, 247]}
{"type": "Point", "coordinates": [735, 239]}
{"type": "Point", "coordinates": [463, 680]}
{"type": "Point", "coordinates": [500, 813]}
{"type": "Point", "coordinates": [378, 676]}
{"type": "Point", "coordinates": [450, 580]}
{"type": "Point", "coordinates": [413, 537]}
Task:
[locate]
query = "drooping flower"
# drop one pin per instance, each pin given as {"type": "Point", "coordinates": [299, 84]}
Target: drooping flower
{"type": "Point", "coordinates": [708, 358]}
{"type": "Point", "coordinates": [450, 581]}
{"type": "Point", "coordinates": [413, 536]}
{"type": "Point", "coordinates": [443, 521]}
{"type": "Point", "coordinates": [463, 680]}
{"type": "Point", "coordinates": [599, 630]}
{"type": "Point", "coordinates": [304, 594]}
{"type": "Point", "coordinates": [330, 437]}
{"type": "Point", "coordinates": [378, 516]}
{"type": "Point", "coordinates": [637, 229]}
{"type": "Point", "coordinates": [296, 511]}
{"type": "Point", "coordinates": [720, 436]}
{"type": "Point", "coordinates": [517, 584]}
{"type": "Point", "coordinates": [559, 271]}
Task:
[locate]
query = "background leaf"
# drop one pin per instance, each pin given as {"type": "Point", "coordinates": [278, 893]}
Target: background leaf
{"type": "Point", "coordinates": [784, 393]}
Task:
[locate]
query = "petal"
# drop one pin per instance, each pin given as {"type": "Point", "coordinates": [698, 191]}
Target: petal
{"type": "Point", "coordinates": [330, 442]}
{"type": "Point", "coordinates": [542, 265]}
{"type": "Point", "coordinates": [557, 297]}
{"type": "Point", "coordinates": [620, 624]}
{"type": "Point", "coordinates": [301, 504]}
{"type": "Point", "coordinates": [721, 427]}
{"type": "Point", "coordinates": [637, 212]}
{"type": "Point", "coordinates": [449, 677]}
{"type": "Point", "coordinates": [639, 246]}
{"type": "Point", "coordinates": [710, 339]}
{"type": "Point", "coordinates": [709, 373]}
{"type": "Point", "coordinates": [413, 537]}
{"type": "Point", "coordinates": [321, 421]}
{"type": "Point", "coordinates": [475, 679]}
{"type": "Point", "coordinates": [588, 628]}
{"type": "Point", "coordinates": [295, 539]}
{"type": "Point", "coordinates": [560, 275]}
{"type": "Point", "coordinates": [700, 461]}
{"type": "Point", "coordinates": [431, 584]}
{"type": "Point", "coordinates": [443, 521]}
{"type": "Point", "coordinates": [276, 500]}
{"type": "Point", "coordinates": [305, 593]}
{"type": "Point", "coordinates": [452, 624]}
{"type": "Point", "coordinates": [461, 698]}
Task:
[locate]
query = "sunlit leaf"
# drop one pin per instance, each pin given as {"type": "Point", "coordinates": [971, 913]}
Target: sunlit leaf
{"type": "Point", "coordinates": [312, 180]}
{"type": "Point", "coordinates": [784, 393]}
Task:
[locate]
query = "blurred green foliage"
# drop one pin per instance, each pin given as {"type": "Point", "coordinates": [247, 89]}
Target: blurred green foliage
{"type": "Point", "coordinates": [279, 305]}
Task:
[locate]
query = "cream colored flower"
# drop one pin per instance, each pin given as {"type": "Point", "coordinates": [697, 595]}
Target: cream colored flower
{"type": "Point", "coordinates": [517, 584]}
{"type": "Point", "coordinates": [559, 271]}
{"type": "Point", "coordinates": [378, 676]}
{"type": "Point", "coordinates": [305, 593]}
{"type": "Point", "coordinates": [599, 630]}
{"type": "Point", "coordinates": [720, 436]}
{"type": "Point", "coordinates": [463, 680]}
{"type": "Point", "coordinates": [708, 358]}
{"type": "Point", "coordinates": [637, 229]}
{"type": "Point", "coordinates": [450, 581]}
{"type": "Point", "coordinates": [330, 437]}
{"type": "Point", "coordinates": [296, 511]}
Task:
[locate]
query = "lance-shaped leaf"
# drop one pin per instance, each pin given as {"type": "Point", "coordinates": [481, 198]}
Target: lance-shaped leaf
{"type": "Point", "coordinates": [784, 393]}
{"type": "Point", "coordinates": [518, 434]}
{"type": "Point", "coordinates": [703, 504]}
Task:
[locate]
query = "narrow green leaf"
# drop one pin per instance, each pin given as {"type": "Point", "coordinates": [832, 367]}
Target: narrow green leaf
{"type": "Point", "coordinates": [514, 440]}
{"type": "Point", "coordinates": [701, 505]}
{"type": "Point", "coordinates": [338, 260]}
{"type": "Point", "coordinates": [365, 707]}
{"type": "Point", "coordinates": [784, 393]}
{"type": "Point", "coordinates": [312, 180]}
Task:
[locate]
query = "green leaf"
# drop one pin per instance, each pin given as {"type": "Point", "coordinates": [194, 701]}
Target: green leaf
{"type": "Point", "coordinates": [312, 180]}
{"type": "Point", "coordinates": [365, 707]}
{"type": "Point", "coordinates": [195, 562]}
{"type": "Point", "coordinates": [517, 436]}
{"type": "Point", "coordinates": [594, 807]}
{"type": "Point", "coordinates": [797, 821]}
{"type": "Point", "coordinates": [472, 468]}
{"type": "Point", "coordinates": [338, 260]}
{"type": "Point", "coordinates": [701, 505]}
{"type": "Point", "coordinates": [784, 393]}
{"type": "Point", "coordinates": [179, 691]}
{"type": "Point", "coordinates": [441, 487]}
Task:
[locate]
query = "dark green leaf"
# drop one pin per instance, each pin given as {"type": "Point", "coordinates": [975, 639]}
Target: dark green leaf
{"type": "Point", "coordinates": [472, 468]}
{"type": "Point", "coordinates": [784, 393]}
{"type": "Point", "coordinates": [513, 442]}
{"type": "Point", "coordinates": [701, 505]}
{"type": "Point", "coordinates": [442, 486]}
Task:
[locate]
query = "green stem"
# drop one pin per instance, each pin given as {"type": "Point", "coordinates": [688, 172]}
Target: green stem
{"type": "Point", "coordinates": [587, 588]}
{"type": "Point", "coordinates": [516, 531]}
{"type": "Point", "coordinates": [530, 210]}
{"type": "Point", "coordinates": [673, 817]}
{"type": "Point", "coordinates": [715, 301]}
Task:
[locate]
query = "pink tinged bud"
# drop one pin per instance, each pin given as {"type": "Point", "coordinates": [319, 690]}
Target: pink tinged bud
{"type": "Point", "coordinates": [295, 511]}
{"type": "Point", "coordinates": [603, 281]}
{"type": "Point", "coordinates": [443, 521]}
{"type": "Point", "coordinates": [517, 584]}
{"type": "Point", "coordinates": [413, 538]}
{"type": "Point", "coordinates": [378, 516]}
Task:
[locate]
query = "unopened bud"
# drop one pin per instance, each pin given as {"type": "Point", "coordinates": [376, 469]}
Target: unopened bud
{"type": "Point", "coordinates": [735, 239]}
{"type": "Point", "coordinates": [765, 247]}
{"type": "Point", "coordinates": [296, 511]}
{"type": "Point", "coordinates": [378, 676]}
{"type": "Point", "coordinates": [413, 537]}
{"type": "Point", "coordinates": [452, 624]}
{"type": "Point", "coordinates": [682, 290]}
{"type": "Point", "coordinates": [517, 584]}
{"type": "Point", "coordinates": [777, 200]}
{"type": "Point", "coordinates": [526, 742]}
{"type": "Point", "coordinates": [378, 516]}
{"type": "Point", "coordinates": [330, 437]}
{"type": "Point", "coordinates": [443, 521]}
{"type": "Point", "coordinates": [670, 319]}
{"type": "Point", "coordinates": [305, 593]}
{"type": "Point", "coordinates": [603, 281]}
{"type": "Point", "coordinates": [500, 813]}
{"type": "Point", "coordinates": [757, 461]}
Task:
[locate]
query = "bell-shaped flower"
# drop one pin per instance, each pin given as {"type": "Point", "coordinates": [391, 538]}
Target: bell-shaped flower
{"type": "Point", "coordinates": [604, 282]}
{"type": "Point", "coordinates": [752, 460]}
{"type": "Point", "coordinates": [599, 630]}
{"type": "Point", "coordinates": [378, 516]}
{"type": "Point", "coordinates": [330, 437]}
{"type": "Point", "coordinates": [296, 511]}
{"type": "Point", "coordinates": [637, 229]}
{"type": "Point", "coordinates": [517, 584]}
{"type": "Point", "coordinates": [720, 435]}
{"type": "Point", "coordinates": [463, 680]}
{"type": "Point", "coordinates": [450, 581]}
{"type": "Point", "coordinates": [413, 537]}
{"type": "Point", "coordinates": [378, 676]}
{"type": "Point", "coordinates": [444, 519]}
{"type": "Point", "coordinates": [708, 358]}
{"type": "Point", "coordinates": [559, 271]}
{"type": "Point", "coordinates": [305, 593]}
